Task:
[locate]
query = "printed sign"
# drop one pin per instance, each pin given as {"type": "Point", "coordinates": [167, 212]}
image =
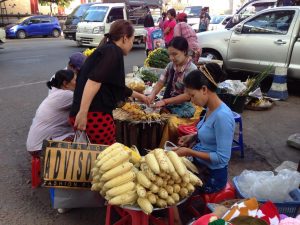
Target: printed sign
{"type": "Point", "coordinates": [69, 165]}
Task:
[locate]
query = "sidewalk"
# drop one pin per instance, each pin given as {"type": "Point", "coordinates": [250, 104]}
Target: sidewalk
{"type": "Point", "coordinates": [265, 134]}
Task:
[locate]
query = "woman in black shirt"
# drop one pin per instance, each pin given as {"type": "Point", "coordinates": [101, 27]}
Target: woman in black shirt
{"type": "Point", "coordinates": [101, 85]}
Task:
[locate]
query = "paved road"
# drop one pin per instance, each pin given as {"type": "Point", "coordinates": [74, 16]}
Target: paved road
{"type": "Point", "coordinates": [25, 65]}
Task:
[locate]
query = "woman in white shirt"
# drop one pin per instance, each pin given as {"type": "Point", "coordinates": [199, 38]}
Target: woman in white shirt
{"type": "Point", "coordinates": [51, 118]}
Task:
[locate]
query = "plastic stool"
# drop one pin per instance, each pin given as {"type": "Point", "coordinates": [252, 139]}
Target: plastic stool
{"type": "Point", "coordinates": [35, 171]}
{"type": "Point", "coordinates": [227, 193]}
{"type": "Point", "coordinates": [134, 217]}
{"type": "Point", "coordinates": [238, 145]}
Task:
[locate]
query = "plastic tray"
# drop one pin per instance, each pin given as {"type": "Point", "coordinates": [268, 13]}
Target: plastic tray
{"type": "Point", "coordinates": [287, 208]}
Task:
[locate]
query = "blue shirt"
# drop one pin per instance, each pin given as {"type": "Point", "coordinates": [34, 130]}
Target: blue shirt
{"type": "Point", "coordinates": [215, 136]}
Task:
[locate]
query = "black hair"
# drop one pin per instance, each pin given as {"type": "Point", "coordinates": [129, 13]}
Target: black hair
{"type": "Point", "coordinates": [118, 29]}
{"type": "Point", "coordinates": [179, 43]}
{"type": "Point", "coordinates": [172, 12]}
{"type": "Point", "coordinates": [196, 79]}
{"type": "Point", "coordinates": [60, 76]}
{"type": "Point", "coordinates": [148, 22]}
{"type": "Point", "coordinates": [164, 15]}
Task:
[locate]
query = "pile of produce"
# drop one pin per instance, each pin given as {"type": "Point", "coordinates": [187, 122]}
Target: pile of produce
{"type": "Point", "coordinates": [88, 51]}
{"type": "Point", "coordinates": [159, 179]}
{"type": "Point", "coordinates": [134, 112]}
{"type": "Point", "coordinates": [135, 83]}
{"type": "Point", "coordinates": [148, 76]}
{"type": "Point", "coordinates": [158, 58]}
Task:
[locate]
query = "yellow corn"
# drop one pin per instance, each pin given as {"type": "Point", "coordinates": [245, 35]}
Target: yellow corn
{"type": "Point", "coordinates": [194, 179]}
{"type": "Point", "coordinates": [108, 149]}
{"type": "Point", "coordinates": [170, 166]}
{"type": "Point", "coordinates": [154, 188]}
{"type": "Point", "coordinates": [145, 205]}
{"type": "Point", "coordinates": [114, 172]}
{"type": "Point", "coordinates": [135, 155]}
{"type": "Point", "coordinates": [170, 201]}
{"type": "Point", "coordinates": [190, 188]}
{"type": "Point", "coordinates": [128, 198]}
{"type": "Point", "coordinates": [162, 193]}
{"type": "Point", "coordinates": [118, 190]}
{"type": "Point", "coordinates": [176, 188]}
{"type": "Point", "coordinates": [159, 181]}
{"type": "Point", "coordinates": [178, 164]}
{"type": "Point", "coordinates": [151, 197]}
{"type": "Point", "coordinates": [141, 191]}
{"type": "Point", "coordinates": [121, 157]}
{"type": "Point", "coordinates": [161, 203]}
{"type": "Point", "coordinates": [169, 189]}
{"type": "Point", "coordinates": [148, 172]}
{"type": "Point", "coordinates": [109, 155]}
{"type": "Point", "coordinates": [119, 180]}
{"type": "Point", "coordinates": [161, 156]}
{"type": "Point", "coordinates": [176, 197]}
{"type": "Point", "coordinates": [143, 180]}
{"type": "Point", "coordinates": [183, 192]}
{"type": "Point", "coordinates": [152, 163]}
{"type": "Point", "coordinates": [190, 165]}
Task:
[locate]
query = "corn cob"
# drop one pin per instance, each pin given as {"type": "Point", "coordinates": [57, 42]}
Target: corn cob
{"type": "Point", "coordinates": [190, 188]}
{"type": "Point", "coordinates": [178, 164]}
{"type": "Point", "coordinates": [143, 180]}
{"type": "Point", "coordinates": [118, 190]}
{"type": "Point", "coordinates": [183, 192]}
{"type": "Point", "coordinates": [170, 200]}
{"type": "Point", "coordinates": [115, 161]}
{"type": "Point", "coordinates": [109, 155]}
{"type": "Point", "coordinates": [154, 188]}
{"type": "Point", "coordinates": [162, 193]}
{"type": "Point", "coordinates": [161, 203]}
{"type": "Point", "coordinates": [152, 163]}
{"type": "Point", "coordinates": [145, 205]}
{"type": "Point", "coordinates": [194, 179]}
{"type": "Point", "coordinates": [128, 198]}
{"type": "Point", "coordinates": [114, 172]}
{"type": "Point", "coordinates": [148, 172]}
{"type": "Point", "coordinates": [108, 149]}
{"type": "Point", "coordinates": [141, 191]}
{"type": "Point", "coordinates": [119, 180]}
{"type": "Point", "coordinates": [190, 165]}
{"type": "Point", "coordinates": [151, 197]}
{"type": "Point", "coordinates": [176, 197]}
{"type": "Point", "coordinates": [161, 156]}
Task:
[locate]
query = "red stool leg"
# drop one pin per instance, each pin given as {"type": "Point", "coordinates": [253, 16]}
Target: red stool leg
{"type": "Point", "coordinates": [171, 215]}
{"type": "Point", "coordinates": [35, 171]}
{"type": "Point", "coordinates": [107, 216]}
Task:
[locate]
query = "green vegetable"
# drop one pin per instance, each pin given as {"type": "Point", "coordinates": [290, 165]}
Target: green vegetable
{"type": "Point", "coordinates": [149, 76]}
{"type": "Point", "coordinates": [158, 58]}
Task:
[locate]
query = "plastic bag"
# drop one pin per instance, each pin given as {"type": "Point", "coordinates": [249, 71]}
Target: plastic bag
{"type": "Point", "coordinates": [135, 83]}
{"type": "Point", "coordinates": [266, 185]}
{"type": "Point", "coordinates": [234, 87]}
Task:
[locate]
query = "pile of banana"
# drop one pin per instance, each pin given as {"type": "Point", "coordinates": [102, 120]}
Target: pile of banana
{"type": "Point", "coordinates": [159, 179]}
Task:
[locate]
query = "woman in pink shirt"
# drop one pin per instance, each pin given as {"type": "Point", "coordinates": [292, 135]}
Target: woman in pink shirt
{"type": "Point", "coordinates": [184, 30]}
{"type": "Point", "coordinates": [169, 26]}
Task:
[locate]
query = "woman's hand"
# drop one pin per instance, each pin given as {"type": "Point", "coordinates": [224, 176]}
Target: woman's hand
{"type": "Point", "coordinates": [150, 99]}
{"type": "Point", "coordinates": [159, 104]}
{"type": "Point", "coordinates": [182, 151]}
{"type": "Point", "coordinates": [80, 121]}
{"type": "Point", "coordinates": [186, 140]}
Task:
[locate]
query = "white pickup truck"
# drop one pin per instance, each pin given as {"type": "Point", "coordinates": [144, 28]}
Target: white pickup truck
{"type": "Point", "coordinates": [99, 17]}
{"type": "Point", "coordinates": [270, 37]}
{"type": "Point", "coordinates": [2, 36]}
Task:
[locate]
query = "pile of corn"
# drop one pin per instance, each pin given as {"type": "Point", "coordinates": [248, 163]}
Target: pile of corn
{"type": "Point", "coordinates": [160, 179]}
{"type": "Point", "coordinates": [136, 113]}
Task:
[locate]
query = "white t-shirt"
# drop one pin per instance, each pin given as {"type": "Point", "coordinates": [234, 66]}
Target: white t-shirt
{"type": "Point", "coordinates": [51, 120]}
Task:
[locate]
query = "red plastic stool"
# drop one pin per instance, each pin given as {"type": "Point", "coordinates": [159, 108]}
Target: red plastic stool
{"type": "Point", "coordinates": [226, 193]}
{"type": "Point", "coordinates": [134, 217]}
{"type": "Point", "coordinates": [186, 129]}
{"type": "Point", "coordinates": [35, 171]}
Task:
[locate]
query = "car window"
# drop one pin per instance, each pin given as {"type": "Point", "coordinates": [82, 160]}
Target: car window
{"type": "Point", "coordinates": [254, 8]}
{"type": "Point", "coordinates": [216, 19]}
{"type": "Point", "coordinates": [115, 14]}
{"type": "Point", "coordinates": [95, 14]}
{"type": "Point", "coordinates": [34, 20]}
{"type": "Point", "coordinates": [277, 22]}
{"type": "Point", "coordinates": [193, 11]}
{"type": "Point", "coordinates": [80, 10]}
{"type": "Point", "coordinates": [45, 20]}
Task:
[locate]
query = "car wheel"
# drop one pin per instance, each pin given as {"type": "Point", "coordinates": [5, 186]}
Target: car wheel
{"type": "Point", "coordinates": [55, 33]}
{"type": "Point", "coordinates": [212, 55]}
{"type": "Point", "coordinates": [21, 34]}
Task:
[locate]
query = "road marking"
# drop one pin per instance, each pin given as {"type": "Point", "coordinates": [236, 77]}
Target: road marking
{"type": "Point", "coordinates": [22, 85]}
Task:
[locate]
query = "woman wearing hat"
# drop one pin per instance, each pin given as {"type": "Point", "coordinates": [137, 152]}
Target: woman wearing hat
{"type": "Point", "coordinates": [184, 30]}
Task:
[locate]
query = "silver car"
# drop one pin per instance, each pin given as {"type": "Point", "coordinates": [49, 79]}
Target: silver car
{"type": "Point", "coordinates": [271, 37]}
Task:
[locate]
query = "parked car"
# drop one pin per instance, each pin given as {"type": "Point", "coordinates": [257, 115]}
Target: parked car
{"type": "Point", "coordinates": [34, 26]}
{"type": "Point", "coordinates": [2, 36]}
{"type": "Point", "coordinates": [270, 37]}
{"type": "Point", "coordinates": [217, 22]}
{"type": "Point", "coordinates": [70, 26]}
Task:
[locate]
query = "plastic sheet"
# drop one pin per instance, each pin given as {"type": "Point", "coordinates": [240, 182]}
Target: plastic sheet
{"type": "Point", "coordinates": [265, 185]}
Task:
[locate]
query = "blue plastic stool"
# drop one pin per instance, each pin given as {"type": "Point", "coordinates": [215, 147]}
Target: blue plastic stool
{"type": "Point", "coordinates": [238, 145]}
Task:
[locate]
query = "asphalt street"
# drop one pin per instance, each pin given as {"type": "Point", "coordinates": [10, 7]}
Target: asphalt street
{"type": "Point", "coordinates": [25, 66]}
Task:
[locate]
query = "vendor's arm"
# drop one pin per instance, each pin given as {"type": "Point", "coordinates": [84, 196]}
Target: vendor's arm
{"type": "Point", "coordinates": [140, 97]}
{"type": "Point", "coordinates": [174, 100]}
{"type": "Point", "coordinates": [224, 130]}
{"type": "Point", "coordinates": [90, 90]}
{"type": "Point", "coordinates": [187, 140]}
{"type": "Point", "coordinates": [156, 89]}
{"type": "Point", "coordinates": [183, 151]}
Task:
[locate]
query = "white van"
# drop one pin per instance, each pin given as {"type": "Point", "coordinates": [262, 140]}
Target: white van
{"type": "Point", "coordinates": [99, 17]}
